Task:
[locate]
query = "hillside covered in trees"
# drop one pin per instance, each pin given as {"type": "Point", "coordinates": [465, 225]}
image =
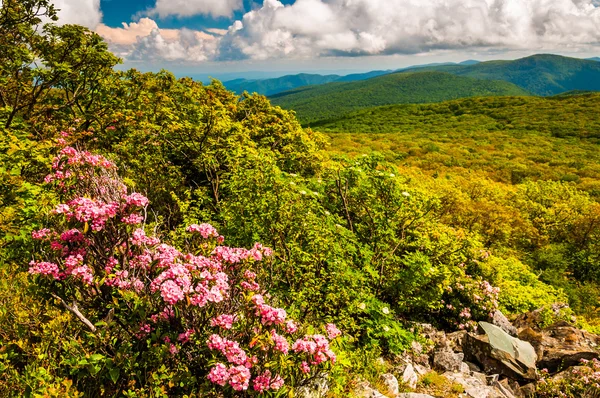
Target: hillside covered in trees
{"type": "Point", "coordinates": [327, 101]}
{"type": "Point", "coordinates": [164, 238]}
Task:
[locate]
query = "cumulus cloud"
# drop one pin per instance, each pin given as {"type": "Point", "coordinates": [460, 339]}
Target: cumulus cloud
{"type": "Point", "coordinates": [129, 33]}
{"type": "Point", "coordinates": [184, 8]}
{"type": "Point", "coordinates": [80, 12]}
{"type": "Point", "coordinates": [359, 27]}
{"type": "Point", "coordinates": [313, 28]}
{"type": "Point", "coordinates": [189, 45]}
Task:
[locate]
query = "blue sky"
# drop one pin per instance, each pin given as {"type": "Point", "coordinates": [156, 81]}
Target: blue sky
{"type": "Point", "coordinates": [209, 36]}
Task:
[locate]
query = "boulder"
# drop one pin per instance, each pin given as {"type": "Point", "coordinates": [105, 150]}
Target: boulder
{"type": "Point", "coordinates": [414, 395]}
{"type": "Point", "coordinates": [500, 353]}
{"type": "Point", "coordinates": [317, 387]}
{"type": "Point", "coordinates": [503, 323]}
{"type": "Point", "coordinates": [535, 319]}
{"type": "Point", "coordinates": [562, 345]}
{"type": "Point", "coordinates": [391, 383]}
{"type": "Point", "coordinates": [474, 387]}
{"type": "Point", "coordinates": [409, 377]}
{"type": "Point", "coordinates": [364, 390]}
{"type": "Point", "coordinates": [445, 359]}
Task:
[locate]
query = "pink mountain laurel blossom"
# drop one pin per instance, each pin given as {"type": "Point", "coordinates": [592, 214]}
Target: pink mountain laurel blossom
{"type": "Point", "coordinates": [98, 242]}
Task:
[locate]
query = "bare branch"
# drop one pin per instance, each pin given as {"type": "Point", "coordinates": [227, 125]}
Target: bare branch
{"type": "Point", "coordinates": [73, 308]}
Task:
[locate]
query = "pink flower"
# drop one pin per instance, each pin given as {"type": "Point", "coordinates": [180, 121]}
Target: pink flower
{"type": "Point", "coordinates": [291, 327]}
{"type": "Point", "coordinates": [239, 378]}
{"type": "Point", "coordinates": [205, 230]}
{"type": "Point", "coordinates": [40, 234]}
{"type": "Point", "coordinates": [332, 331]}
{"type": "Point", "coordinates": [219, 374]}
{"type": "Point", "coordinates": [280, 342]}
{"type": "Point", "coordinates": [136, 199]}
{"type": "Point", "coordinates": [225, 321]}
{"type": "Point", "coordinates": [170, 292]}
{"type": "Point", "coordinates": [304, 367]}
{"type": "Point", "coordinates": [43, 268]}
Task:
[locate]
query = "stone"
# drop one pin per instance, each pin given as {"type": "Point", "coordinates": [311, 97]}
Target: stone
{"type": "Point", "coordinates": [500, 353]}
{"type": "Point", "coordinates": [409, 377]}
{"type": "Point", "coordinates": [527, 391]}
{"type": "Point", "coordinates": [474, 387]}
{"type": "Point", "coordinates": [364, 390]}
{"type": "Point", "coordinates": [535, 319]}
{"type": "Point", "coordinates": [414, 395]}
{"type": "Point", "coordinates": [464, 368]}
{"type": "Point", "coordinates": [473, 367]}
{"type": "Point", "coordinates": [562, 345]}
{"type": "Point", "coordinates": [416, 348]}
{"type": "Point", "coordinates": [391, 383]}
{"type": "Point", "coordinates": [503, 323]}
{"type": "Point", "coordinates": [421, 370]}
{"type": "Point", "coordinates": [317, 387]}
{"type": "Point", "coordinates": [455, 340]}
{"type": "Point", "coordinates": [445, 359]}
{"type": "Point", "coordinates": [503, 388]}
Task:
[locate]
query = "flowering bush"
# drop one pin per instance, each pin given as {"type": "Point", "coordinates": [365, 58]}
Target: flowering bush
{"type": "Point", "coordinates": [200, 305]}
{"type": "Point", "coordinates": [575, 382]}
{"type": "Point", "coordinates": [469, 300]}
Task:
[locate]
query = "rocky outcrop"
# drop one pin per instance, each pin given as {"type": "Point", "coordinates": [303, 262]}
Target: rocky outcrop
{"type": "Point", "coordinates": [562, 345]}
{"type": "Point", "coordinates": [499, 353]}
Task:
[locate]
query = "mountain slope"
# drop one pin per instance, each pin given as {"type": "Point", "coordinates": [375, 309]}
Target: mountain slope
{"type": "Point", "coordinates": [543, 74]}
{"type": "Point", "coordinates": [277, 85]}
{"type": "Point", "coordinates": [334, 99]}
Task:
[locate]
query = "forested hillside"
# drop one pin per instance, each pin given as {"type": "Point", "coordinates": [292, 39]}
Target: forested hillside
{"type": "Point", "coordinates": [543, 74]}
{"type": "Point", "coordinates": [164, 238]}
{"type": "Point", "coordinates": [334, 99]}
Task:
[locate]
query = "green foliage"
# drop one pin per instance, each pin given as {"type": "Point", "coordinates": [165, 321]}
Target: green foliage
{"type": "Point", "coordinates": [542, 74]}
{"type": "Point", "coordinates": [330, 101]}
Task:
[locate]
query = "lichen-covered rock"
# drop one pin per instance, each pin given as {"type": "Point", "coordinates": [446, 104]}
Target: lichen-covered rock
{"type": "Point", "coordinates": [563, 345]}
{"type": "Point", "coordinates": [445, 359]}
{"type": "Point", "coordinates": [503, 323]}
{"type": "Point", "coordinates": [316, 387]}
{"type": "Point", "coordinates": [500, 353]}
{"type": "Point", "coordinates": [391, 383]}
{"type": "Point", "coordinates": [409, 377]}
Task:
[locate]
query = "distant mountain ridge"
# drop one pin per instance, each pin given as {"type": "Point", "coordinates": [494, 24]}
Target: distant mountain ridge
{"type": "Point", "coordinates": [272, 86]}
{"type": "Point", "coordinates": [317, 103]}
{"type": "Point", "coordinates": [543, 74]}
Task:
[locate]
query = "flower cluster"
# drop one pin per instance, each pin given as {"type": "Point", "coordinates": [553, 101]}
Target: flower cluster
{"type": "Point", "coordinates": [191, 305]}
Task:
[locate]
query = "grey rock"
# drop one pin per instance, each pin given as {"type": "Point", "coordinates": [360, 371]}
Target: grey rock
{"type": "Point", "coordinates": [414, 395]}
{"type": "Point", "coordinates": [473, 367]}
{"type": "Point", "coordinates": [409, 377]}
{"type": "Point", "coordinates": [500, 353]}
{"type": "Point", "coordinates": [503, 389]}
{"type": "Point", "coordinates": [445, 359]}
{"type": "Point", "coordinates": [316, 387]}
{"type": "Point", "coordinates": [364, 390]}
{"type": "Point", "coordinates": [464, 368]}
{"type": "Point", "coordinates": [503, 323]}
{"type": "Point", "coordinates": [455, 340]}
{"type": "Point", "coordinates": [562, 345]}
{"type": "Point", "coordinates": [391, 383]}
{"type": "Point", "coordinates": [422, 370]}
{"type": "Point", "coordinates": [474, 387]}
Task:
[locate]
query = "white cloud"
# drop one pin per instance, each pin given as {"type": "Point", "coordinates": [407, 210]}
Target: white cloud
{"type": "Point", "coordinates": [309, 29]}
{"type": "Point", "coordinates": [184, 8]}
{"type": "Point", "coordinates": [189, 46]}
{"type": "Point", "coordinates": [355, 27]}
{"type": "Point", "coordinates": [129, 33]}
{"type": "Point", "coordinates": [80, 12]}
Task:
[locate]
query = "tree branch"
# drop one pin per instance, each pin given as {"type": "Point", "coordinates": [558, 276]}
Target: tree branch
{"type": "Point", "coordinates": [73, 308]}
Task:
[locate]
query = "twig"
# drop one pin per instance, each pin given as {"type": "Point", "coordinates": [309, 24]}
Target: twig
{"type": "Point", "coordinates": [73, 308]}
